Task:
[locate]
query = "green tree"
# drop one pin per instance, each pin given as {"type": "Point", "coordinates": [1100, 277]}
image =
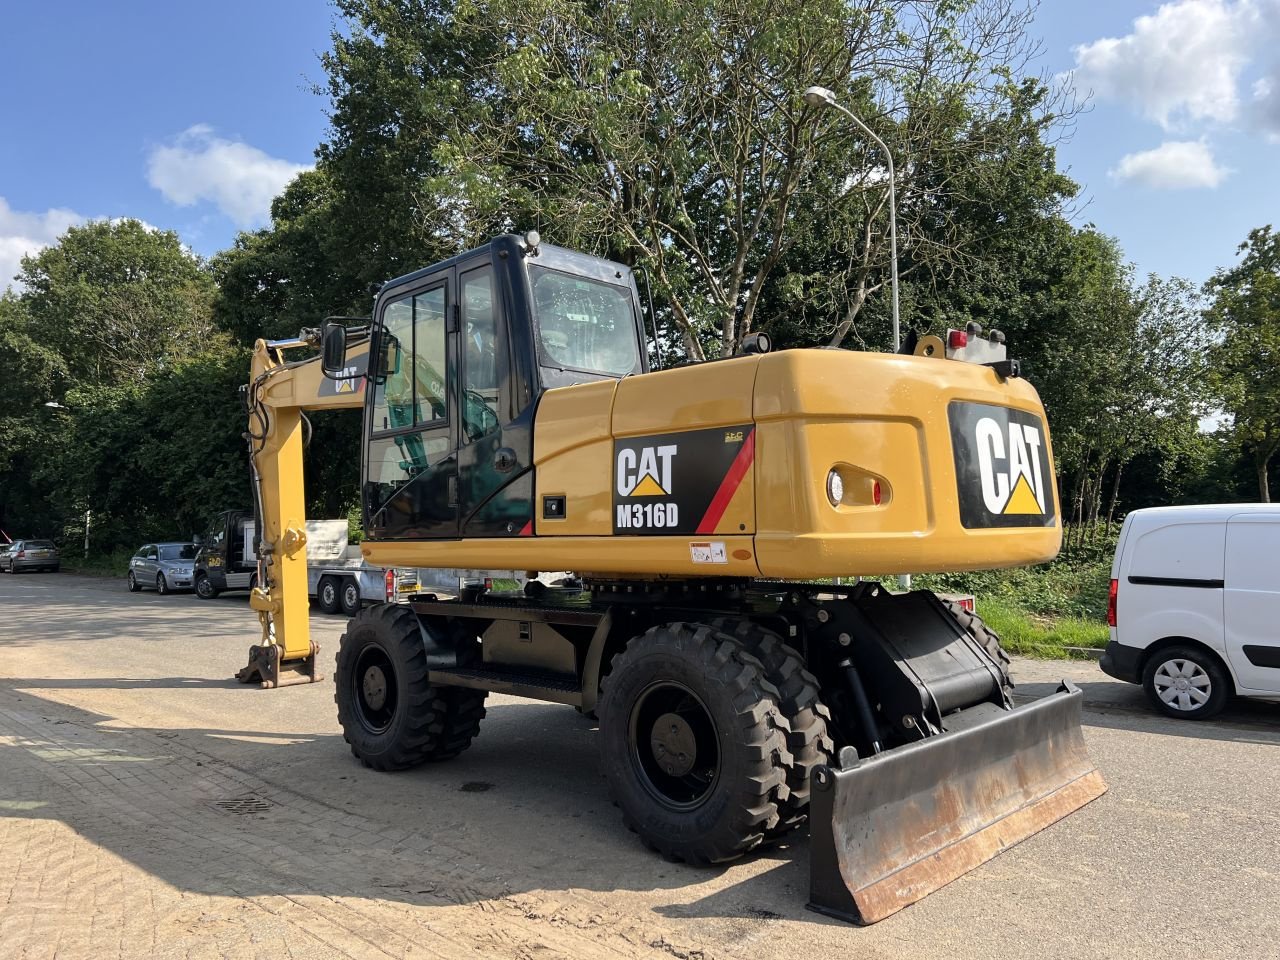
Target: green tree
{"type": "Point", "coordinates": [1245, 315]}
{"type": "Point", "coordinates": [116, 300]}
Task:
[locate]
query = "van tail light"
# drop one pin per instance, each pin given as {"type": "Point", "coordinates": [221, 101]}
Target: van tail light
{"type": "Point", "coordinates": [389, 582]}
{"type": "Point", "coordinates": [1111, 603]}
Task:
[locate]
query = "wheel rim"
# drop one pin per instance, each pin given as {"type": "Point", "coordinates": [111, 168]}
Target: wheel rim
{"type": "Point", "coordinates": [374, 684]}
{"type": "Point", "coordinates": [326, 595]}
{"type": "Point", "coordinates": [1183, 684]}
{"type": "Point", "coordinates": [203, 587]}
{"type": "Point", "coordinates": [160, 584]}
{"type": "Point", "coordinates": [132, 580]}
{"type": "Point", "coordinates": [351, 596]}
{"type": "Point", "coordinates": [674, 745]}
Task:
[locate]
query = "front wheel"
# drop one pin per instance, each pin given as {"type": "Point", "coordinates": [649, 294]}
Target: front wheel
{"type": "Point", "coordinates": [694, 743]}
{"type": "Point", "coordinates": [391, 713]}
{"type": "Point", "coordinates": [1186, 683]}
{"type": "Point", "coordinates": [205, 589]}
{"type": "Point", "coordinates": [162, 585]}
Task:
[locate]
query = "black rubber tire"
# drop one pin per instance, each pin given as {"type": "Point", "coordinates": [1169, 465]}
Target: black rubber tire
{"type": "Point", "coordinates": [1220, 691]}
{"type": "Point", "coordinates": [741, 805]}
{"type": "Point", "coordinates": [799, 693]}
{"type": "Point", "coordinates": [162, 585]}
{"type": "Point", "coordinates": [989, 639]}
{"type": "Point", "coordinates": [204, 587]}
{"type": "Point", "coordinates": [429, 721]}
{"type": "Point", "coordinates": [327, 595]}
{"type": "Point", "coordinates": [134, 586]}
{"type": "Point", "coordinates": [349, 591]}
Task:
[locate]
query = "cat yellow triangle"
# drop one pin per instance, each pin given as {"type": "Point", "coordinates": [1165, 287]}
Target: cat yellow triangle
{"type": "Point", "coordinates": [648, 487]}
{"type": "Point", "coordinates": [1023, 499]}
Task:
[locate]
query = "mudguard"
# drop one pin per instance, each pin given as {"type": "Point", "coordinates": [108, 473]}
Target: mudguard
{"type": "Point", "coordinates": [890, 829]}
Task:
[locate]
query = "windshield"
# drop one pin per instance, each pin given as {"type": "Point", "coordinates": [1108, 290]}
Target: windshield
{"type": "Point", "coordinates": [178, 551]}
{"type": "Point", "coordinates": [584, 324]}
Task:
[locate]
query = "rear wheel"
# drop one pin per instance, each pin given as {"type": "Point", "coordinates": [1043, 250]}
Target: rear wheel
{"type": "Point", "coordinates": [134, 586]}
{"type": "Point", "coordinates": [808, 740]}
{"type": "Point", "coordinates": [1186, 683]}
{"type": "Point", "coordinates": [694, 743]}
{"type": "Point", "coordinates": [392, 715]}
{"type": "Point", "coordinates": [162, 585]}
{"type": "Point", "coordinates": [205, 589]}
{"type": "Point", "coordinates": [327, 595]}
{"type": "Point", "coordinates": [350, 597]}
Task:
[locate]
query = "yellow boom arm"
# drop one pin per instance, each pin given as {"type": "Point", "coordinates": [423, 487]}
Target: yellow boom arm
{"type": "Point", "coordinates": [278, 394]}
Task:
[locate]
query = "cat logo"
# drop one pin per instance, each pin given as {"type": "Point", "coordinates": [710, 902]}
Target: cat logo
{"type": "Point", "coordinates": [1004, 477]}
{"type": "Point", "coordinates": [645, 472]}
{"type": "Point", "coordinates": [347, 379]}
{"type": "Point", "coordinates": [1009, 464]}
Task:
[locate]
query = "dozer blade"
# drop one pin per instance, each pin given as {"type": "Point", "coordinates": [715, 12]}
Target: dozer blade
{"type": "Point", "coordinates": [893, 828]}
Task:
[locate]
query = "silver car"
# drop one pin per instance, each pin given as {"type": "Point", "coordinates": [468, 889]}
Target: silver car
{"type": "Point", "coordinates": [29, 555]}
{"type": "Point", "coordinates": [165, 566]}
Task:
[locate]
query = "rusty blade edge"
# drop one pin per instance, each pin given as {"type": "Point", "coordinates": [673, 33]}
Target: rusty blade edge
{"type": "Point", "coordinates": [887, 896]}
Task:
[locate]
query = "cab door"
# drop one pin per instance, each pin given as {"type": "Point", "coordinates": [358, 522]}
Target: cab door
{"type": "Point", "coordinates": [495, 450]}
{"type": "Point", "coordinates": [1251, 601]}
{"type": "Point", "coordinates": [410, 459]}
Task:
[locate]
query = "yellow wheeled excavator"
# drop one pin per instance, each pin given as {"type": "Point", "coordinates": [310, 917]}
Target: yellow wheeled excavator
{"type": "Point", "coordinates": [512, 419]}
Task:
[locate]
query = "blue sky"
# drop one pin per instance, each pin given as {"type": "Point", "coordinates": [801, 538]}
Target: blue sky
{"type": "Point", "coordinates": [190, 117]}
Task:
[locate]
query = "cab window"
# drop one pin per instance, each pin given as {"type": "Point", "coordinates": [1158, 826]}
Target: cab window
{"type": "Point", "coordinates": [482, 354]}
{"type": "Point", "coordinates": [584, 324]}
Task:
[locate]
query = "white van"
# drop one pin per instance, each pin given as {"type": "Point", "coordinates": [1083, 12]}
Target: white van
{"type": "Point", "coordinates": [1195, 606]}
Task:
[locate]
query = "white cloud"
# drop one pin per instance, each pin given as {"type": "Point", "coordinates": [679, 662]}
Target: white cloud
{"type": "Point", "coordinates": [1174, 165]}
{"type": "Point", "coordinates": [239, 179]}
{"type": "Point", "coordinates": [25, 233]}
{"type": "Point", "coordinates": [1184, 62]}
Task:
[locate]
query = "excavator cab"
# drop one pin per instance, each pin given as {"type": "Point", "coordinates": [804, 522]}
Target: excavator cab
{"type": "Point", "coordinates": [460, 353]}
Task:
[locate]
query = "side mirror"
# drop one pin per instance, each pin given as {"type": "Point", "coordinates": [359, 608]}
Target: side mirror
{"type": "Point", "coordinates": [335, 350]}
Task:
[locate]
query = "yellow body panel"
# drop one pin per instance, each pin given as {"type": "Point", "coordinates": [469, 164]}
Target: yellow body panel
{"type": "Point", "coordinates": [874, 417]}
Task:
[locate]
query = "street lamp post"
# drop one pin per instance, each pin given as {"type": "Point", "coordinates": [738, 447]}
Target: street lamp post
{"type": "Point", "coordinates": [822, 97]}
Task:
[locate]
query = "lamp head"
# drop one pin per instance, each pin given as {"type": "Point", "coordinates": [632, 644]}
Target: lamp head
{"type": "Point", "coordinates": [819, 97]}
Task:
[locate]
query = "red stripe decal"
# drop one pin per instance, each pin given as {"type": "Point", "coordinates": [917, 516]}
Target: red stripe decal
{"type": "Point", "coordinates": [527, 529]}
{"type": "Point", "coordinates": [729, 485]}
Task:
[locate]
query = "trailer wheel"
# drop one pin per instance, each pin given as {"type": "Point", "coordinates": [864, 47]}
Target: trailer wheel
{"type": "Point", "coordinates": [205, 589]}
{"type": "Point", "coordinates": [808, 741]}
{"type": "Point", "coordinates": [350, 596]}
{"type": "Point", "coordinates": [327, 595]}
{"type": "Point", "coordinates": [694, 743]}
{"type": "Point", "coordinates": [392, 715]}
{"type": "Point", "coordinates": [989, 639]}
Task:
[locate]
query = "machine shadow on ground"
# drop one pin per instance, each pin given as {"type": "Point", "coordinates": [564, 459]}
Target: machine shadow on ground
{"type": "Point", "coordinates": [524, 810]}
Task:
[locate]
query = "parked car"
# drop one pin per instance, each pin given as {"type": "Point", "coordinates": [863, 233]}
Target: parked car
{"type": "Point", "coordinates": [30, 555]}
{"type": "Point", "coordinates": [1195, 606]}
{"type": "Point", "coordinates": [165, 566]}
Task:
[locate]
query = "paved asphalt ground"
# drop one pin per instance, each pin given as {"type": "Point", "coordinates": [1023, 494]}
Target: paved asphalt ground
{"type": "Point", "coordinates": [149, 806]}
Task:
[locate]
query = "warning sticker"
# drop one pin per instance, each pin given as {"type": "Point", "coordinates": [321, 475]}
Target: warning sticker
{"type": "Point", "coordinates": [712, 551]}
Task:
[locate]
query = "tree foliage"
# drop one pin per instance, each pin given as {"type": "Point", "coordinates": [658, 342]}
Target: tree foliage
{"type": "Point", "coordinates": [1246, 357]}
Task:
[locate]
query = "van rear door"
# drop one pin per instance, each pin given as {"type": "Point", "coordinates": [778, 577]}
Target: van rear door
{"type": "Point", "coordinates": [1252, 601]}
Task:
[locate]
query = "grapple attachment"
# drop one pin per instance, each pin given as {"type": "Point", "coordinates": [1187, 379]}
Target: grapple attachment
{"type": "Point", "coordinates": [890, 829]}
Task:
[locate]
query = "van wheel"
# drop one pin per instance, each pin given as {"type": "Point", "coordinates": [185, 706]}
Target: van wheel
{"type": "Point", "coordinates": [205, 589]}
{"type": "Point", "coordinates": [350, 597]}
{"type": "Point", "coordinates": [1186, 683]}
{"type": "Point", "coordinates": [327, 595]}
